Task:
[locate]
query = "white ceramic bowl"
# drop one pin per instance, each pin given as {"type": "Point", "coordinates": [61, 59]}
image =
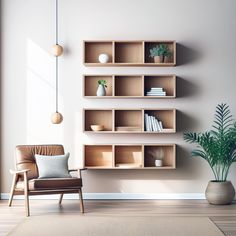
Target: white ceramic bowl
{"type": "Point", "coordinates": [97, 127]}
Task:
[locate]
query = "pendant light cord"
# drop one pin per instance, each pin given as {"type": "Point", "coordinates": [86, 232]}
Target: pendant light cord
{"type": "Point", "coordinates": [56, 21]}
{"type": "Point", "coordinates": [56, 56]}
{"type": "Point", "coordinates": [56, 84]}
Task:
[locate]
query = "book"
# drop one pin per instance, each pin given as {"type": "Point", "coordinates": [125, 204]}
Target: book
{"type": "Point", "coordinates": [154, 128]}
{"type": "Point", "coordinates": [161, 126]}
{"type": "Point", "coordinates": [158, 126]}
{"type": "Point", "coordinates": [149, 123]}
{"type": "Point", "coordinates": [128, 128]}
{"type": "Point", "coordinates": [146, 122]}
{"type": "Point", "coordinates": [156, 93]}
{"type": "Point", "coordinates": [161, 89]}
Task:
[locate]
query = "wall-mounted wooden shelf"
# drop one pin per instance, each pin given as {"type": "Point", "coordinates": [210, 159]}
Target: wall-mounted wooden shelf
{"type": "Point", "coordinates": [126, 53]}
{"type": "Point", "coordinates": [129, 156]}
{"type": "Point", "coordinates": [129, 120]}
{"type": "Point", "coordinates": [130, 86]}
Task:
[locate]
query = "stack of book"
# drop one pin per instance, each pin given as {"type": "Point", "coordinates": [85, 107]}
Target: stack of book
{"type": "Point", "coordinates": [156, 92]}
{"type": "Point", "coordinates": [152, 124]}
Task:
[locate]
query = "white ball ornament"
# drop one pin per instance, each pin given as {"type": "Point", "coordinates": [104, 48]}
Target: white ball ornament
{"type": "Point", "coordinates": [103, 58]}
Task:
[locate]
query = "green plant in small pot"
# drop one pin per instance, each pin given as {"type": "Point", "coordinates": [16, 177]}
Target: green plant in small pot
{"type": "Point", "coordinates": [102, 85]}
{"type": "Point", "coordinates": [218, 148]}
{"type": "Point", "coordinates": [161, 53]}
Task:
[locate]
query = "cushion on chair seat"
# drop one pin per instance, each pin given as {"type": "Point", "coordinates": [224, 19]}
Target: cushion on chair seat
{"type": "Point", "coordinates": [51, 184]}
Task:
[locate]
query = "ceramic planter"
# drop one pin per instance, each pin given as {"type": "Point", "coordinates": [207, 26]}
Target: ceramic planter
{"type": "Point", "coordinates": [166, 59]}
{"type": "Point", "coordinates": [220, 193]}
{"type": "Point", "coordinates": [159, 59]}
{"type": "Point", "coordinates": [101, 91]}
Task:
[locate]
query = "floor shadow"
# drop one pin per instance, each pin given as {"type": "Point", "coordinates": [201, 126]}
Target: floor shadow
{"type": "Point", "coordinates": [185, 55]}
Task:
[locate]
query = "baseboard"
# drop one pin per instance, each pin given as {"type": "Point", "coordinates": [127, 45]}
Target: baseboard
{"type": "Point", "coordinates": [116, 196]}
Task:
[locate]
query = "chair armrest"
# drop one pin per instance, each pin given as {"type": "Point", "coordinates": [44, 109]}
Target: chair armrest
{"type": "Point", "coordinates": [19, 171]}
{"type": "Point", "coordinates": [78, 170]}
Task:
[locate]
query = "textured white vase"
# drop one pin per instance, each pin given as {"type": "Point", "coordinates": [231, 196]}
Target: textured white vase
{"type": "Point", "coordinates": [103, 58]}
{"type": "Point", "coordinates": [158, 163]}
{"type": "Point", "coordinates": [101, 91]}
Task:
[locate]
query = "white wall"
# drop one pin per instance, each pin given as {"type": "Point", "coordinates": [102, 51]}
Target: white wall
{"type": "Point", "coordinates": [206, 33]}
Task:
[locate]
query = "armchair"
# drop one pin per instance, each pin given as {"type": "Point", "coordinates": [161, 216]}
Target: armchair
{"type": "Point", "coordinates": [25, 177]}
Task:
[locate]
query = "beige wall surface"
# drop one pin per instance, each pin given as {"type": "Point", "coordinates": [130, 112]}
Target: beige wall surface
{"type": "Point", "coordinates": [206, 34]}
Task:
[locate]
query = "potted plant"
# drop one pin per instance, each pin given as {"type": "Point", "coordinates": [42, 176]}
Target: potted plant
{"type": "Point", "coordinates": [160, 53]}
{"type": "Point", "coordinates": [102, 85]}
{"type": "Point", "coordinates": [218, 148]}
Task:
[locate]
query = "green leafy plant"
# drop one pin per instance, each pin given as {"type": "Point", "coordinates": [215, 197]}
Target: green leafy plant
{"type": "Point", "coordinates": [218, 146]}
{"type": "Point", "coordinates": [160, 50]}
{"type": "Point", "coordinates": [102, 82]}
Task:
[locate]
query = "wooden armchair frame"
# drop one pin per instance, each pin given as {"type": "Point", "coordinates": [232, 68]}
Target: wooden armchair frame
{"type": "Point", "coordinates": [26, 192]}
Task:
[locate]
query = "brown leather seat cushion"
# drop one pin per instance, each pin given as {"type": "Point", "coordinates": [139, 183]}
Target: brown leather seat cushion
{"type": "Point", "coordinates": [51, 184]}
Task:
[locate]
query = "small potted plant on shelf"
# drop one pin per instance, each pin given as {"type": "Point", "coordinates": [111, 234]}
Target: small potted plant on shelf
{"type": "Point", "coordinates": [218, 148]}
{"type": "Point", "coordinates": [161, 53]}
{"type": "Point", "coordinates": [102, 85]}
{"type": "Point", "coordinates": [157, 155]}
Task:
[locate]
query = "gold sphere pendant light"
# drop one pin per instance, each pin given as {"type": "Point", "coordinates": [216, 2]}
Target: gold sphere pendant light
{"type": "Point", "coordinates": [57, 51]}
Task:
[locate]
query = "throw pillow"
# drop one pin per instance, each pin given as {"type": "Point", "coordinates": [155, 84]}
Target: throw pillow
{"type": "Point", "coordinates": [53, 166]}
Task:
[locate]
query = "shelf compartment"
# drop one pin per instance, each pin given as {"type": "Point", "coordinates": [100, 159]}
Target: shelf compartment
{"type": "Point", "coordinates": [128, 156]}
{"type": "Point", "coordinates": [150, 44]}
{"type": "Point", "coordinates": [91, 85]}
{"type": "Point", "coordinates": [92, 50]}
{"type": "Point", "coordinates": [128, 86]}
{"type": "Point", "coordinates": [166, 152]}
{"type": "Point", "coordinates": [98, 156]}
{"type": "Point", "coordinates": [128, 119]}
{"type": "Point", "coordinates": [125, 53]}
{"type": "Point", "coordinates": [98, 117]}
{"type": "Point", "coordinates": [129, 52]}
{"type": "Point", "coordinates": [167, 82]}
{"type": "Point", "coordinates": [166, 116]}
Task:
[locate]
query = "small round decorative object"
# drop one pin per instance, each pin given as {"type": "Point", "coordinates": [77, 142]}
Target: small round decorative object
{"type": "Point", "coordinates": [97, 127]}
{"type": "Point", "coordinates": [103, 58]}
{"type": "Point", "coordinates": [158, 163]}
{"type": "Point", "coordinates": [57, 50]}
{"type": "Point", "coordinates": [56, 118]}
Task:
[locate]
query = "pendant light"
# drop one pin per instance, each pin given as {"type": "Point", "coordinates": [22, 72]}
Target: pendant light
{"type": "Point", "coordinates": [57, 51]}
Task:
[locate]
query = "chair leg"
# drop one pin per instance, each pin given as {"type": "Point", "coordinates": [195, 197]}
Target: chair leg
{"type": "Point", "coordinates": [26, 191]}
{"type": "Point", "coordinates": [81, 201]}
{"type": "Point", "coordinates": [12, 190]}
{"type": "Point", "coordinates": [60, 199]}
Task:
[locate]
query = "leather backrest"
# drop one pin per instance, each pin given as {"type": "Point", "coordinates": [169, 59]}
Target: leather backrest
{"type": "Point", "coordinates": [25, 156]}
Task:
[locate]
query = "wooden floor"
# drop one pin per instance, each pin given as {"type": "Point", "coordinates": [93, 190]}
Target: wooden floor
{"type": "Point", "coordinates": [223, 216]}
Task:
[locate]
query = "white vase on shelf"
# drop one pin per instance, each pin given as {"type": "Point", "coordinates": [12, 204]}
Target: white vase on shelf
{"type": "Point", "coordinates": [101, 91]}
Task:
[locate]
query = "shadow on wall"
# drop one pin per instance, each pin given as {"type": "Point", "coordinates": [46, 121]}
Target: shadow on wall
{"type": "Point", "coordinates": [185, 167]}
{"type": "Point", "coordinates": [185, 55]}
{"type": "Point", "coordinates": [185, 122]}
{"type": "Point", "coordinates": [186, 88]}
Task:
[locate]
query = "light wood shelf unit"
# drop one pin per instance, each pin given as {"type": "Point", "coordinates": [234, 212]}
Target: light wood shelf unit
{"type": "Point", "coordinates": [126, 53]}
{"type": "Point", "coordinates": [129, 156]}
{"type": "Point", "coordinates": [130, 86]}
{"type": "Point", "coordinates": [128, 120]}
